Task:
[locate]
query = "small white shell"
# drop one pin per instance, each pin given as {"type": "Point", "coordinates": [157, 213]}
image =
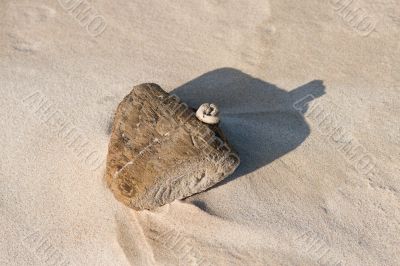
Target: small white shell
{"type": "Point", "coordinates": [208, 113]}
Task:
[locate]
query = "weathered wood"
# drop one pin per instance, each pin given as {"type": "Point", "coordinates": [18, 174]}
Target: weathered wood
{"type": "Point", "coordinates": [159, 151]}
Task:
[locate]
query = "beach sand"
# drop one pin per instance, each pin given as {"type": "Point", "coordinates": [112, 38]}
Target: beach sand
{"type": "Point", "coordinates": [309, 97]}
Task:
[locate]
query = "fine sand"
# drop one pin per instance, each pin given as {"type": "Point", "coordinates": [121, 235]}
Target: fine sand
{"type": "Point", "coordinates": [309, 97]}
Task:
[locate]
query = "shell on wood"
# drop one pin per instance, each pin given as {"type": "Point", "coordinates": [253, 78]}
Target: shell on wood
{"type": "Point", "coordinates": [159, 151]}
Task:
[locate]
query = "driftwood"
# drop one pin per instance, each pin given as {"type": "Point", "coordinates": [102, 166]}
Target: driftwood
{"type": "Point", "coordinates": [160, 151]}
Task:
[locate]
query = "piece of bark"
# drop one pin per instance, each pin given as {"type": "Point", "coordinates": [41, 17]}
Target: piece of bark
{"type": "Point", "coordinates": [159, 151]}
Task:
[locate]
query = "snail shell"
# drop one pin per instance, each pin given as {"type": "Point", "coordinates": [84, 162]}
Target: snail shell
{"type": "Point", "coordinates": [208, 113]}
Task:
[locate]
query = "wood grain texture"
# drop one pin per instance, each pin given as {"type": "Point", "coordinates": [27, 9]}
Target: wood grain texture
{"type": "Point", "coordinates": [159, 151]}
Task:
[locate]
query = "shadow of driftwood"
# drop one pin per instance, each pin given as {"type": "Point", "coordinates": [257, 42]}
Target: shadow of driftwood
{"type": "Point", "coordinates": [258, 118]}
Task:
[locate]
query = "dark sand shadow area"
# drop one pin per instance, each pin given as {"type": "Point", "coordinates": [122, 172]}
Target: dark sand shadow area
{"type": "Point", "coordinates": [258, 118]}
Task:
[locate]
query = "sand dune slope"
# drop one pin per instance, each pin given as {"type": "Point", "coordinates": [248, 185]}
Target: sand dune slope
{"type": "Point", "coordinates": [309, 97]}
